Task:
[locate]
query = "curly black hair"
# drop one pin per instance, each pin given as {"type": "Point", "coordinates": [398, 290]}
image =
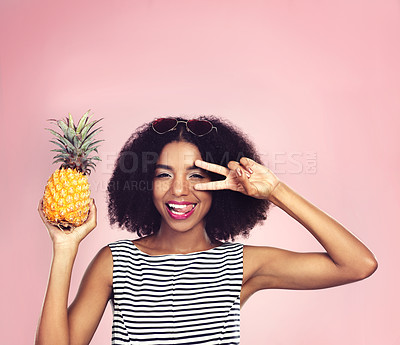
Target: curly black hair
{"type": "Point", "coordinates": [130, 199]}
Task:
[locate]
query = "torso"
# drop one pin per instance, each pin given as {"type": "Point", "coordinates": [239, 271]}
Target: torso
{"type": "Point", "coordinates": [201, 288]}
{"type": "Point", "coordinates": [249, 267]}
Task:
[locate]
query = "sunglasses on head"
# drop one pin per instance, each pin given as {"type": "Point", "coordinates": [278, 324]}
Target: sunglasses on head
{"type": "Point", "coordinates": [196, 127]}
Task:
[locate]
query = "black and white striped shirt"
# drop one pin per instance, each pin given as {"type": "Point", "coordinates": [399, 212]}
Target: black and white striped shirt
{"type": "Point", "coordinates": [176, 298]}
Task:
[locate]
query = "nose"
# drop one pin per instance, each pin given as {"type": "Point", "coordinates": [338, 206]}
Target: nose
{"type": "Point", "coordinates": [180, 186]}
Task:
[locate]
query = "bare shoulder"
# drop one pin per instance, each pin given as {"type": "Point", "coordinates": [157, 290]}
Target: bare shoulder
{"type": "Point", "coordinates": [104, 255]}
{"type": "Point", "coordinates": [255, 261]}
{"type": "Point", "coordinates": [252, 253]}
{"type": "Point", "coordinates": [262, 260]}
{"type": "Point", "coordinates": [102, 265]}
{"type": "Point", "coordinates": [252, 256]}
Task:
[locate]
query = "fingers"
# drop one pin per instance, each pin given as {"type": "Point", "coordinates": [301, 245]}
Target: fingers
{"type": "Point", "coordinates": [215, 185]}
{"type": "Point", "coordinates": [42, 215]}
{"type": "Point", "coordinates": [235, 165]}
{"type": "Point", "coordinates": [80, 232]}
{"type": "Point", "coordinates": [215, 168]}
{"type": "Point", "coordinates": [243, 178]}
{"type": "Point", "coordinates": [244, 169]}
{"type": "Point", "coordinates": [248, 164]}
{"type": "Point", "coordinates": [40, 208]}
{"type": "Point", "coordinates": [237, 173]}
{"type": "Point", "coordinates": [245, 162]}
{"type": "Point", "coordinates": [92, 217]}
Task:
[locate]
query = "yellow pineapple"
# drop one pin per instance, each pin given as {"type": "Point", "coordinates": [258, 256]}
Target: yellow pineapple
{"type": "Point", "coordinates": [67, 195]}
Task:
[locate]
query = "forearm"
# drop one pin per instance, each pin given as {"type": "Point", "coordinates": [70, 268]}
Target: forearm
{"type": "Point", "coordinates": [53, 324]}
{"type": "Point", "coordinates": [344, 249]}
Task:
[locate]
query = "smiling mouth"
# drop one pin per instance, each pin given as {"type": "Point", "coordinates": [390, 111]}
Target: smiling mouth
{"type": "Point", "coordinates": [180, 210]}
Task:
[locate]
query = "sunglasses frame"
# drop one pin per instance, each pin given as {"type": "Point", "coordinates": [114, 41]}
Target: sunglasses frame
{"type": "Point", "coordinates": [186, 123]}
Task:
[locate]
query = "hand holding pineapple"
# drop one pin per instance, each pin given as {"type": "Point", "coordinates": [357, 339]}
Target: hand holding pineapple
{"type": "Point", "coordinates": [70, 239]}
{"type": "Point", "coordinates": [67, 196]}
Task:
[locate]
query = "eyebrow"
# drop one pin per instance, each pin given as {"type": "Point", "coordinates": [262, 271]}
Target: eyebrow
{"type": "Point", "coordinates": [167, 167]}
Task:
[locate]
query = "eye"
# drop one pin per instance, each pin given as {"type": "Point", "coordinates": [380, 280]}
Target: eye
{"type": "Point", "coordinates": [197, 176]}
{"type": "Point", "coordinates": [161, 175]}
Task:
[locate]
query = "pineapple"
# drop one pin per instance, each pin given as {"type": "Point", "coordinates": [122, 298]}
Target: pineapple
{"type": "Point", "coordinates": [67, 195]}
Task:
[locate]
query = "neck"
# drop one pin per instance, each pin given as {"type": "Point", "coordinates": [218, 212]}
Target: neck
{"type": "Point", "coordinates": [178, 242]}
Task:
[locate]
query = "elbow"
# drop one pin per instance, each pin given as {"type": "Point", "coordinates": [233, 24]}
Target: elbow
{"type": "Point", "coordinates": [372, 265]}
{"type": "Point", "coordinates": [366, 267]}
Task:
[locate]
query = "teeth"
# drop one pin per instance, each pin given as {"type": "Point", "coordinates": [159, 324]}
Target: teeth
{"type": "Point", "coordinates": [177, 206]}
{"type": "Point", "coordinates": [174, 208]}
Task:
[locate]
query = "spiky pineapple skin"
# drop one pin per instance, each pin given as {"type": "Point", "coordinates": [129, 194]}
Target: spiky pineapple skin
{"type": "Point", "coordinates": [66, 198]}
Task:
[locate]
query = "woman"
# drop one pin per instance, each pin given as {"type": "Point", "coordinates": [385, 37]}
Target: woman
{"type": "Point", "coordinates": [187, 188]}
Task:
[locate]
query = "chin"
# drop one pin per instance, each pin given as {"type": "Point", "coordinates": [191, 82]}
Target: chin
{"type": "Point", "coordinates": [183, 227]}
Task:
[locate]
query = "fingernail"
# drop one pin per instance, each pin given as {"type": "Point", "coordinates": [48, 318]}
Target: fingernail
{"type": "Point", "coordinates": [250, 170]}
{"type": "Point", "coordinates": [239, 172]}
{"type": "Point", "coordinates": [247, 174]}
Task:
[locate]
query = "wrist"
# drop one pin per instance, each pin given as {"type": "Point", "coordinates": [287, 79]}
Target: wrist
{"type": "Point", "coordinates": [66, 250]}
{"type": "Point", "coordinates": [278, 193]}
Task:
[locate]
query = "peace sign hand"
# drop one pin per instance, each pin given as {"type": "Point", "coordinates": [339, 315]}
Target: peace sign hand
{"type": "Point", "coordinates": [247, 177]}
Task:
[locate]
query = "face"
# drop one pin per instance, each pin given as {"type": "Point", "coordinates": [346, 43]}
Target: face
{"type": "Point", "coordinates": [181, 207]}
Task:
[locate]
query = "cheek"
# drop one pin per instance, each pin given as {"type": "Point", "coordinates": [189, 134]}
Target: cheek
{"type": "Point", "coordinates": [160, 188]}
{"type": "Point", "coordinates": [206, 198]}
{"type": "Point", "coordinates": [158, 195]}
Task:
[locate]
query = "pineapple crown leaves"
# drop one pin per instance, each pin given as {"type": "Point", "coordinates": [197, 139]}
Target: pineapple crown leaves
{"type": "Point", "coordinates": [76, 142]}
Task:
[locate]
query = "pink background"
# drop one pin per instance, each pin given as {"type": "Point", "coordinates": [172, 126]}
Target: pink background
{"type": "Point", "coordinates": [316, 85]}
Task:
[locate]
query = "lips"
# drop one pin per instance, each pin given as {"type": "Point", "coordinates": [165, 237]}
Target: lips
{"type": "Point", "coordinates": [180, 209]}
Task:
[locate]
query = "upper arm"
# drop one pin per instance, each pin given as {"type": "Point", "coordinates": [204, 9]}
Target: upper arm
{"type": "Point", "coordinates": [274, 268]}
{"type": "Point", "coordinates": [95, 290]}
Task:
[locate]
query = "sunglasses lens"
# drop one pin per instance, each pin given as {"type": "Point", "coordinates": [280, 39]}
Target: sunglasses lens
{"type": "Point", "coordinates": [199, 127]}
{"type": "Point", "coordinates": [162, 126]}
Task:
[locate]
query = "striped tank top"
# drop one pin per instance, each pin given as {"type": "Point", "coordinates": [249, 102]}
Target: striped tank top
{"type": "Point", "coordinates": [176, 298]}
